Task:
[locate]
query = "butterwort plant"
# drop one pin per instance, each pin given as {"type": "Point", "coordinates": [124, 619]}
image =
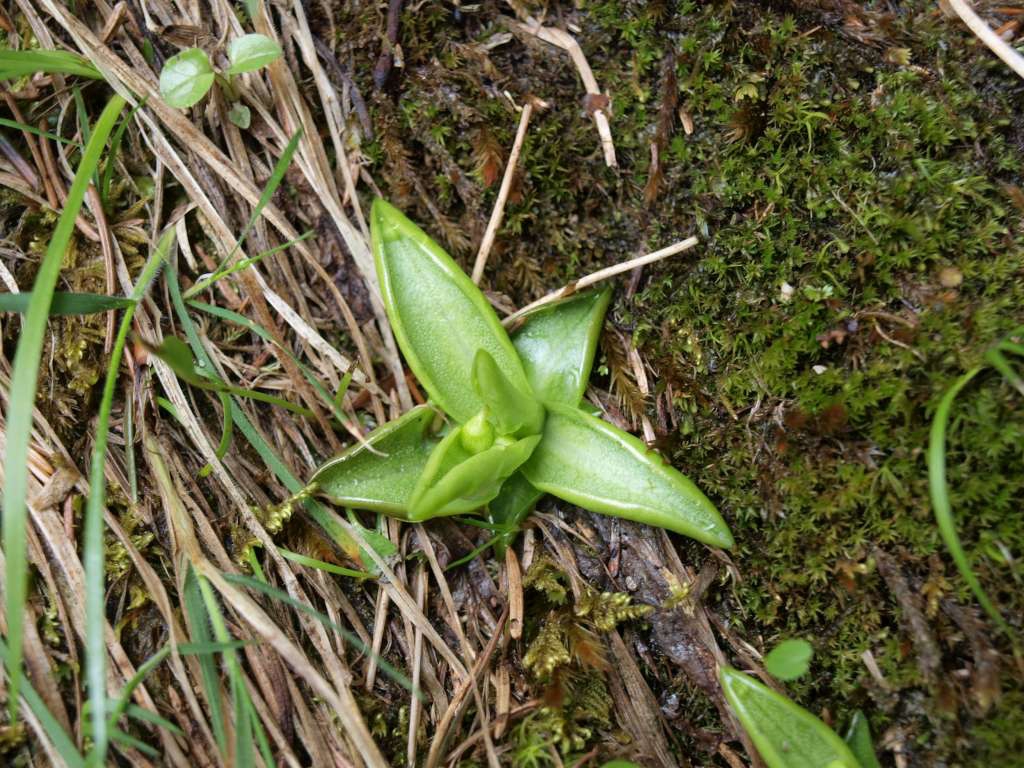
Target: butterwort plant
{"type": "Point", "coordinates": [506, 422]}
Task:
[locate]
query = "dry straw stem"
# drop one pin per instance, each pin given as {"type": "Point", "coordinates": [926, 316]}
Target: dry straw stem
{"type": "Point", "coordinates": [568, 43]}
{"type": "Point", "coordinates": [506, 184]}
{"type": "Point", "coordinates": [603, 274]}
{"type": "Point", "coordinates": [996, 44]}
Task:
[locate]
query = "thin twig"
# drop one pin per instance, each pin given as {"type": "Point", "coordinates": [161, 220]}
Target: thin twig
{"type": "Point", "coordinates": [603, 274]}
{"type": "Point", "coordinates": [506, 184]}
{"type": "Point", "coordinates": [567, 43]}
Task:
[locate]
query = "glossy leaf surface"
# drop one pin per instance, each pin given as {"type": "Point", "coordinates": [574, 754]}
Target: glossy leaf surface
{"type": "Point", "coordinates": [382, 482]}
{"type": "Point", "coordinates": [512, 411]}
{"type": "Point", "coordinates": [592, 464]}
{"type": "Point", "coordinates": [786, 735]}
{"type": "Point", "coordinates": [556, 344]}
{"type": "Point", "coordinates": [456, 481]}
{"type": "Point", "coordinates": [440, 319]}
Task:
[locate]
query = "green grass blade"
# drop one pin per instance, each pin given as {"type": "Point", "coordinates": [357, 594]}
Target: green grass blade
{"type": "Point", "coordinates": [312, 562]}
{"type": "Point", "coordinates": [94, 557]}
{"type": "Point", "coordinates": [20, 63]}
{"type": "Point", "coordinates": [266, 453]}
{"type": "Point", "coordinates": [24, 381]}
{"type": "Point", "coordinates": [115, 146]}
{"type": "Point", "coordinates": [36, 131]}
{"type": "Point", "coordinates": [199, 623]}
{"type": "Point", "coordinates": [995, 358]}
{"type": "Point", "coordinates": [125, 740]}
{"type": "Point", "coordinates": [63, 303]}
{"type": "Point", "coordinates": [276, 177]}
{"type": "Point", "coordinates": [120, 704]}
{"type": "Point", "coordinates": [223, 272]}
{"type": "Point", "coordinates": [62, 742]}
{"type": "Point", "coordinates": [284, 597]}
{"type": "Point", "coordinates": [940, 497]}
{"type": "Point", "coordinates": [241, 704]}
{"type": "Point", "coordinates": [146, 716]}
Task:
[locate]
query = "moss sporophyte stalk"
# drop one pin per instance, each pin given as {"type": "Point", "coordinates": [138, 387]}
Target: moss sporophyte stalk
{"type": "Point", "coordinates": [515, 428]}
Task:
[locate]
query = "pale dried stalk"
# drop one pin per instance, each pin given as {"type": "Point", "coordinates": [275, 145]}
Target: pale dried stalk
{"type": "Point", "coordinates": [499, 205]}
{"type": "Point", "coordinates": [567, 43]}
{"type": "Point", "coordinates": [996, 44]}
{"type": "Point", "coordinates": [603, 274]}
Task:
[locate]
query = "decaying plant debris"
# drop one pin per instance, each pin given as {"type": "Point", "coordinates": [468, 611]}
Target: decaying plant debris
{"type": "Point", "coordinates": [853, 172]}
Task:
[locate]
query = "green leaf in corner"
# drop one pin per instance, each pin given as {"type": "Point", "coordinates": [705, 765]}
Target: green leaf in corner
{"type": "Point", "coordinates": [858, 739]}
{"type": "Point", "coordinates": [439, 317]}
{"type": "Point", "coordinates": [251, 52]}
{"type": "Point", "coordinates": [592, 464]}
{"type": "Point", "coordinates": [786, 735]}
{"type": "Point", "coordinates": [789, 659]}
{"type": "Point", "coordinates": [185, 78]}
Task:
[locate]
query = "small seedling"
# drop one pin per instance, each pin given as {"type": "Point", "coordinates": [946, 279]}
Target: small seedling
{"type": "Point", "coordinates": [188, 76]}
{"type": "Point", "coordinates": [515, 428]}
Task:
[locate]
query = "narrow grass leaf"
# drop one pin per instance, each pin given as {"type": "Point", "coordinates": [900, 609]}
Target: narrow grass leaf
{"type": "Point", "coordinates": [941, 506]}
{"type": "Point", "coordinates": [352, 638]}
{"type": "Point", "coordinates": [24, 379]}
{"type": "Point", "coordinates": [36, 131]}
{"type": "Point", "coordinates": [94, 556]}
{"type": "Point", "coordinates": [199, 623]}
{"type": "Point", "coordinates": [147, 716]}
{"type": "Point", "coordinates": [63, 303]}
{"type": "Point", "coordinates": [120, 704]}
{"type": "Point", "coordinates": [62, 742]}
{"type": "Point", "coordinates": [276, 177]}
{"type": "Point", "coordinates": [312, 562]}
{"type": "Point", "coordinates": [20, 63]}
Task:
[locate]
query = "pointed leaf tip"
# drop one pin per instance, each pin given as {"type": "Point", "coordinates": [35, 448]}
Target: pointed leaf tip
{"type": "Point", "coordinates": [439, 317]}
{"type": "Point", "coordinates": [588, 462]}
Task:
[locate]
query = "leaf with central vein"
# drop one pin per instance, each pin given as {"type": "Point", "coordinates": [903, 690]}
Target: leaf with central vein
{"type": "Point", "coordinates": [556, 344]}
{"type": "Point", "coordinates": [588, 462]}
{"type": "Point", "coordinates": [382, 481]}
{"type": "Point", "coordinates": [786, 735]}
{"type": "Point", "coordinates": [439, 317]}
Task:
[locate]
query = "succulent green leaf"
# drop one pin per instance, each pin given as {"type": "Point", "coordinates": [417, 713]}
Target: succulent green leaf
{"type": "Point", "coordinates": [510, 507]}
{"type": "Point", "coordinates": [588, 462]}
{"type": "Point", "coordinates": [512, 411]}
{"type": "Point", "coordinates": [786, 735]}
{"type": "Point", "coordinates": [250, 52]}
{"type": "Point", "coordinates": [556, 344]}
{"type": "Point", "coordinates": [858, 739]}
{"type": "Point", "coordinates": [381, 479]}
{"type": "Point", "coordinates": [185, 78]}
{"type": "Point", "coordinates": [789, 659]}
{"type": "Point", "coordinates": [439, 317]}
{"type": "Point", "coordinates": [456, 481]}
